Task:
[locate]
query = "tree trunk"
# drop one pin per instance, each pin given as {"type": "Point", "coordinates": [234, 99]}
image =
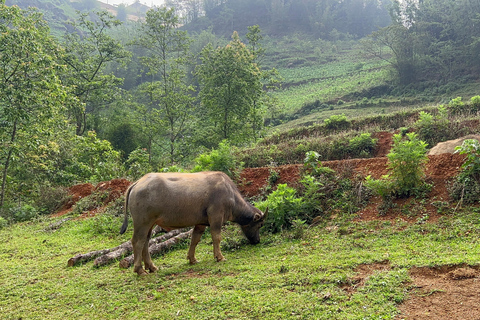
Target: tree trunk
{"type": "Point", "coordinates": [7, 163]}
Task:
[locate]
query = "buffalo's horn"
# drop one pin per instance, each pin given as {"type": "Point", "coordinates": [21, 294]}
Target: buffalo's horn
{"type": "Point", "coordinates": [265, 214]}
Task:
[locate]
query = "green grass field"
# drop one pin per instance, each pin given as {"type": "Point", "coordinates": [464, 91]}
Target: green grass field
{"type": "Point", "coordinates": [281, 278]}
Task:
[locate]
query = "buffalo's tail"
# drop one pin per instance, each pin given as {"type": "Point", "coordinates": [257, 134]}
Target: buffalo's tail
{"type": "Point", "coordinates": [125, 220]}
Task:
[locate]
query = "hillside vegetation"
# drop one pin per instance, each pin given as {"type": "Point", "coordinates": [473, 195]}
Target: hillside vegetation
{"type": "Point", "coordinates": [123, 99]}
{"type": "Point", "coordinates": [271, 86]}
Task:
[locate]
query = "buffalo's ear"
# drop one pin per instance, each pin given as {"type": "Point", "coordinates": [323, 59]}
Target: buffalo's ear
{"type": "Point", "coordinates": [260, 216]}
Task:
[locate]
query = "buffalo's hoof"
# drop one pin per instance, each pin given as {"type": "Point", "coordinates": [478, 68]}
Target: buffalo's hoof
{"type": "Point", "coordinates": [141, 272]}
{"type": "Point", "coordinates": [152, 269]}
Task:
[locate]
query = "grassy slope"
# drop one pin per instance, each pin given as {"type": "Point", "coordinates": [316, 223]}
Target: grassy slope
{"type": "Point", "coordinates": [279, 279]}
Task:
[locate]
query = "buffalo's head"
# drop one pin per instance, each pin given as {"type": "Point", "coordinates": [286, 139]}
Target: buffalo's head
{"type": "Point", "coordinates": [252, 230]}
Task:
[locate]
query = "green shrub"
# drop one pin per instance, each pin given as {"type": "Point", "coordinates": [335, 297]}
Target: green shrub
{"type": "Point", "coordinates": [22, 213]}
{"type": "Point", "coordinates": [384, 188]}
{"type": "Point", "coordinates": [337, 122]}
{"type": "Point", "coordinates": [406, 163]}
{"type": "Point", "coordinates": [284, 206]}
{"type": "Point", "coordinates": [50, 199]}
{"type": "Point", "coordinates": [97, 160]}
{"type": "Point", "coordinates": [467, 185]}
{"type": "Point", "coordinates": [138, 163]}
{"type": "Point", "coordinates": [362, 145]}
{"type": "Point", "coordinates": [475, 103]}
{"type": "Point", "coordinates": [93, 201]}
{"type": "Point", "coordinates": [172, 169]}
{"type": "Point", "coordinates": [471, 166]}
{"type": "Point", "coordinates": [407, 160]}
{"type": "Point", "coordinates": [221, 159]}
{"type": "Point", "coordinates": [313, 166]}
{"type": "Point", "coordinates": [3, 222]}
{"type": "Point", "coordinates": [310, 161]}
{"type": "Point", "coordinates": [456, 105]}
{"type": "Point", "coordinates": [433, 129]}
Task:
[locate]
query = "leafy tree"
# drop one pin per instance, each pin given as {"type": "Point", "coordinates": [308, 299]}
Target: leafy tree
{"type": "Point", "coordinates": [396, 39]}
{"type": "Point", "coordinates": [122, 12]}
{"type": "Point", "coordinates": [188, 10]}
{"type": "Point", "coordinates": [230, 83]}
{"type": "Point", "coordinates": [430, 39]}
{"type": "Point", "coordinates": [88, 50]}
{"type": "Point", "coordinates": [169, 103]}
{"type": "Point", "coordinates": [31, 89]}
{"type": "Point", "coordinates": [270, 80]}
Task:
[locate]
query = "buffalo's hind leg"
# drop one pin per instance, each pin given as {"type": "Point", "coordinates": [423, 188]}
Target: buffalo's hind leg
{"type": "Point", "coordinates": [147, 259]}
{"type": "Point", "coordinates": [139, 242]}
{"type": "Point", "coordinates": [196, 236]}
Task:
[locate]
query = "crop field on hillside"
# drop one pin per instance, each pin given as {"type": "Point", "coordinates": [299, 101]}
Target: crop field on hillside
{"type": "Point", "coordinates": [322, 70]}
{"type": "Point", "coordinates": [329, 88]}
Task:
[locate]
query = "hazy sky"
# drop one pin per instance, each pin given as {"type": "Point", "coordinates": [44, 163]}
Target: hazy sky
{"type": "Point", "coordinates": [149, 3]}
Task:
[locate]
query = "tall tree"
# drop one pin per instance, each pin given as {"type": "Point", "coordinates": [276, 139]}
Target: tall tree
{"type": "Point", "coordinates": [30, 87]}
{"type": "Point", "coordinates": [230, 82]}
{"type": "Point", "coordinates": [169, 102]}
{"type": "Point", "coordinates": [88, 50]}
{"type": "Point", "coordinates": [430, 40]}
{"type": "Point", "coordinates": [187, 10]}
{"type": "Point", "coordinates": [270, 80]}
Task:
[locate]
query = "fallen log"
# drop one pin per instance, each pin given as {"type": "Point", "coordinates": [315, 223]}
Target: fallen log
{"type": "Point", "coordinates": [56, 225]}
{"type": "Point", "coordinates": [157, 248]}
{"type": "Point", "coordinates": [83, 257]}
{"type": "Point", "coordinates": [119, 251]}
{"type": "Point", "coordinates": [123, 250]}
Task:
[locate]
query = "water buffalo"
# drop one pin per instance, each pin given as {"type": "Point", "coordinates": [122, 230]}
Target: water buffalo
{"type": "Point", "coordinates": [178, 200]}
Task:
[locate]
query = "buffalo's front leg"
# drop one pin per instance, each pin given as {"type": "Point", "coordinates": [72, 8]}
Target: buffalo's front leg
{"type": "Point", "coordinates": [196, 236]}
{"type": "Point", "coordinates": [215, 230]}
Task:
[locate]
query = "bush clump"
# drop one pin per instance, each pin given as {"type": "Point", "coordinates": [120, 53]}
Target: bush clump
{"type": "Point", "coordinates": [284, 206]}
{"type": "Point", "coordinates": [337, 122]}
{"type": "Point", "coordinates": [433, 128]}
{"type": "Point", "coordinates": [406, 163]}
{"type": "Point", "coordinates": [221, 159]}
{"type": "Point", "coordinates": [467, 185]}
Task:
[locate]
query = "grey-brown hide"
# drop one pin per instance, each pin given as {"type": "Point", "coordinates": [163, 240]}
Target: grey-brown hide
{"type": "Point", "coordinates": [178, 200]}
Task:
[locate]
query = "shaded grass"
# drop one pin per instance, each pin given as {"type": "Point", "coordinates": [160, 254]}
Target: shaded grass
{"type": "Point", "coordinates": [280, 278]}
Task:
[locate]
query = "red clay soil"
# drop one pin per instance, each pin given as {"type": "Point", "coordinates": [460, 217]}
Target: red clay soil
{"type": "Point", "coordinates": [447, 292]}
{"type": "Point", "coordinates": [114, 189]}
{"type": "Point", "coordinates": [440, 170]}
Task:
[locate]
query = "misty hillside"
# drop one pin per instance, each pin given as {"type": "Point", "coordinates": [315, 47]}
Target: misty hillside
{"type": "Point", "coordinates": [58, 12]}
{"type": "Point", "coordinates": [320, 19]}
